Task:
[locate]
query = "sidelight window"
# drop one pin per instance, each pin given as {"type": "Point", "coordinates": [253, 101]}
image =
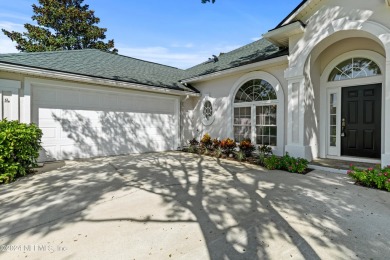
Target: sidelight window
{"type": "Point", "coordinates": [333, 120]}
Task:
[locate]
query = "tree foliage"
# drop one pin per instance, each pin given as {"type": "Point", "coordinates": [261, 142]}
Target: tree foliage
{"type": "Point", "coordinates": [208, 1]}
{"type": "Point", "coordinates": [61, 25]}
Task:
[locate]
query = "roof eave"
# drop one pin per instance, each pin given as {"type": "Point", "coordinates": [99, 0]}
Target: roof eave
{"type": "Point", "coordinates": [281, 35]}
{"type": "Point", "coordinates": [89, 79]}
{"type": "Point", "coordinates": [294, 13]}
{"type": "Point", "coordinates": [222, 73]}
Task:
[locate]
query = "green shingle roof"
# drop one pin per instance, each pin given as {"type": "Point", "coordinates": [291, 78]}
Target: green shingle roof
{"type": "Point", "coordinates": [254, 52]}
{"type": "Point", "coordinates": [100, 64]}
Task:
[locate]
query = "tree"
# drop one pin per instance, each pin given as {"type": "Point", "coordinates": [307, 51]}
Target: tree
{"type": "Point", "coordinates": [208, 1]}
{"type": "Point", "coordinates": [62, 25]}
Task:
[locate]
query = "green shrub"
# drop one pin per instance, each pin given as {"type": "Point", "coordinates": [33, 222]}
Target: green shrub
{"type": "Point", "coordinates": [372, 177]}
{"type": "Point", "coordinates": [19, 149]}
{"type": "Point", "coordinates": [246, 147]}
{"type": "Point", "coordinates": [240, 156]}
{"type": "Point", "coordinates": [287, 163]}
{"type": "Point", "coordinates": [273, 163]}
{"type": "Point", "coordinates": [292, 164]}
{"type": "Point", "coordinates": [264, 152]}
{"type": "Point", "coordinates": [218, 152]}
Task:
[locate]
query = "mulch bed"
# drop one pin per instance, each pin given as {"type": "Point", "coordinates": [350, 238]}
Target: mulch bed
{"type": "Point", "coordinates": [249, 160]}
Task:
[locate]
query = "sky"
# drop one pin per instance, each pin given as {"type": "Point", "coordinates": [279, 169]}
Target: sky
{"type": "Point", "coordinates": [179, 33]}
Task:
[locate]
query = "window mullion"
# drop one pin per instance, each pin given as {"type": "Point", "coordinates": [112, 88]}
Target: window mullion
{"type": "Point", "coordinates": [253, 123]}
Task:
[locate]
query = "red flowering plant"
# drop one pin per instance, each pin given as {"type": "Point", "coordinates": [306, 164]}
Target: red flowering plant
{"type": "Point", "coordinates": [194, 144]}
{"type": "Point", "coordinates": [206, 142]}
{"type": "Point", "coordinates": [246, 147]}
{"type": "Point", "coordinates": [216, 143]}
{"type": "Point", "coordinates": [228, 145]}
{"type": "Point", "coordinates": [217, 147]}
{"type": "Point", "coordinates": [371, 177]}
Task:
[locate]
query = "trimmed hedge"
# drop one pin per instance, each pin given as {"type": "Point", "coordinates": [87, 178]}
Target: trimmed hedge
{"type": "Point", "coordinates": [19, 149]}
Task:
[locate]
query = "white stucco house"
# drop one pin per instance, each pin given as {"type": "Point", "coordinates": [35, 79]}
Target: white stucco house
{"type": "Point", "coordinates": [315, 86]}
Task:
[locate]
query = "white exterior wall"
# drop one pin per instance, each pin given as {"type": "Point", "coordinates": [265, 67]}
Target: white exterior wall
{"type": "Point", "coordinates": [219, 91]}
{"type": "Point", "coordinates": [12, 83]}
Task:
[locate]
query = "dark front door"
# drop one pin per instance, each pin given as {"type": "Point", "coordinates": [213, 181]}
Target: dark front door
{"type": "Point", "coordinates": [361, 121]}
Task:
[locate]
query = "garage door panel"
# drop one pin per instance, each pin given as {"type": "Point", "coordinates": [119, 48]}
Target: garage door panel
{"type": "Point", "coordinates": [48, 153]}
{"type": "Point", "coordinates": [154, 119]}
{"type": "Point", "coordinates": [49, 132]}
{"type": "Point", "coordinates": [47, 113]}
{"type": "Point", "coordinates": [84, 116]}
{"type": "Point", "coordinates": [82, 123]}
{"type": "Point", "coordinates": [76, 118]}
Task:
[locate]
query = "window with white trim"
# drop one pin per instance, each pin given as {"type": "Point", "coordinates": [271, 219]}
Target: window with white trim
{"type": "Point", "coordinates": [266, 130]}
{"type": "Point", "coordinates": [354, 68]}
{"type": "Point", "coordinates": [333, 120]}
{"type": "Point", "coordinates": [207, 110]}
{"type": "Point", "coordinates": [255, 113]}
{"type": "Point", "coordinates": [242, 123]}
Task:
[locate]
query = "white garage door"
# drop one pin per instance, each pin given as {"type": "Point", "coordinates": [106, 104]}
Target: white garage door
{"type": "Point", "coordinates": [82, 123]}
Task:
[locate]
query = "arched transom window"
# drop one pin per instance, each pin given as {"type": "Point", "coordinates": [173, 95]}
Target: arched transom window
{"type": "Point", "coordinates": [255, 90]}
{"type": "Point", "coordinates": [255, 113]}
{"type": "Point", "coordinates": [355, 68]}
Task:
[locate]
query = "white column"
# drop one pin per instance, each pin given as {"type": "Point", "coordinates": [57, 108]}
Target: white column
{"type": "Point", "coordinates": [25, 114]}
{"type": "Point", "coordinates": [13, 87]}
{"type": "Point", "coordinates": [296, 119]}
{"type": "Point", "coordinates": [1, 104]}
{"type": "Point", "coordinates": [386, 86]}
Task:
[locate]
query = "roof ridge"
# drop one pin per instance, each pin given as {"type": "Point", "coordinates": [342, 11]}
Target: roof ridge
{"type": "Point", "coordinates": [46, 52]}
{"type": "Point", "coordinates": [84, 50]}
{"type": "Point", "coordinates": [230, 52]}
{"type": "Point", "coordinates": [146, 61]}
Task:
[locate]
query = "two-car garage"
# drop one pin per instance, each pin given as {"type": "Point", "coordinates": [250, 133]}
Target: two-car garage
{"type": "Point", "coordinates": [92, 103]}
{"type": "Point", "coordinates": [87, 121]}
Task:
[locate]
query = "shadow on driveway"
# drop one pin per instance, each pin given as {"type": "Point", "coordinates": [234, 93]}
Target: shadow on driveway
{"type": "Point", "coordinates": [238, 211]}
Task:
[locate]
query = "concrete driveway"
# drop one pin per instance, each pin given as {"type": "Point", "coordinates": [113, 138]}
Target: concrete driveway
{"type": "Point", "coordinates": [183, 206]}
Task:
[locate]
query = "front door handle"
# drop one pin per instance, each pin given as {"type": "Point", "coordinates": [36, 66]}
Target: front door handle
{"type": "Point", "coordinates": [343, 125]}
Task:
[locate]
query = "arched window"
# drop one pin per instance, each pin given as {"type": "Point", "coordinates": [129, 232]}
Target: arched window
{"type": "Point", "coordinates": [354, 68]}
{"type": "Point", "coordinates": [255, 113]}
{"type": "Point", "coordinates": [255, 90]}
